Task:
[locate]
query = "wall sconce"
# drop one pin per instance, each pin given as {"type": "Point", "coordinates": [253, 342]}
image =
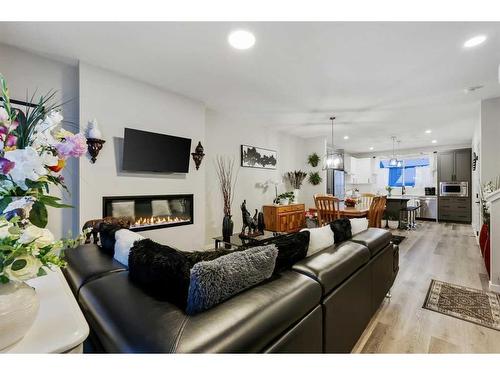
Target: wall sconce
{"type": "Point", "coordinates": [198, 155]}
{"type": "Point", "coordinates": [94, 140]}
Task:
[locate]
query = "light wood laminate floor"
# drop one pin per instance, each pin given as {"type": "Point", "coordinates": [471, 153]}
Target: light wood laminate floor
{"type": "Point", "coordinates": [446, 252]}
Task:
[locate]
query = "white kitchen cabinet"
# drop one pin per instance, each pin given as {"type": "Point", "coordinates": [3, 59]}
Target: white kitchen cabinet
{"type": "Point", "coordinates": [360, 170]}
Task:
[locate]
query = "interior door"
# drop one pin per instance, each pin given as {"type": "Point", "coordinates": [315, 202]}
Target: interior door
{"type": "Point", "coordinates": [446, 166]}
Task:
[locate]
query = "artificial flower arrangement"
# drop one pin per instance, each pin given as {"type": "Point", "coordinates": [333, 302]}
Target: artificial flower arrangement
{"type": "Point", "coordinates": [350, 202]}
{"type": "Point", "coordinates": [34, 148]}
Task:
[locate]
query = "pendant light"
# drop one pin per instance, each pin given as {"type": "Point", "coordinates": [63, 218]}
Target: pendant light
{"type": "Point", "coordinates": [393, 162]}
{"type": "Point", "coordinates": [332, 159]}
{"type": "Point", "coordinates": [399, 163]}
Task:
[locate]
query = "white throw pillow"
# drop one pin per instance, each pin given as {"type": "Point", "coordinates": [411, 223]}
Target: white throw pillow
{"type": "Point", "coordinates": [125, 239]}
{"type": "Point", "coordinates": [358, 225]}
{"type": "Point", "coordinates": [319, 239]}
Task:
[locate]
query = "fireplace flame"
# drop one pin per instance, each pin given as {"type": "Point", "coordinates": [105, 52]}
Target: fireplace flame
{"type": "Point", "coordinates": [156, 220]}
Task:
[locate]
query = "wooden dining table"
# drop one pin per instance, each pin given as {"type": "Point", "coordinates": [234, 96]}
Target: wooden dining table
{"type": "Point", "coordinates": [350, 212]}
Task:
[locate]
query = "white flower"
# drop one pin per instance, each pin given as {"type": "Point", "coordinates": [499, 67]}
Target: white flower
{"type": "Point", "coordinates": [49, 159]}
{"type": "Point", "coordinates": [4, 116]}
{"type": "Point", "coordinates": [29, 165]}
{"type": "Point", "coordinates": [30, 266]}
{"type": "Point", "coordinates": [24, 203]}
{"type": "Point", "coordinates": [41, 237]}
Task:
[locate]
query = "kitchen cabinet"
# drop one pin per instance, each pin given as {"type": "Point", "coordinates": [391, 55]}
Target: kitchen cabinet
{"type": "Point", "coordinates": [359, 170]}
{"type": "Point", "coordinates": [454, 165]}
{"type": "Point", "coordinates": [289, 218]}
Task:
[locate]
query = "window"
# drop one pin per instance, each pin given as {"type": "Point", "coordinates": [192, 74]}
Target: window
{"type": "Point", "coordinates": [402, 176]}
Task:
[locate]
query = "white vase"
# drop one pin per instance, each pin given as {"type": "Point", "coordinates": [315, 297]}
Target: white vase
{"type": "Point", "coordinates": [18, 309]}
{"type": "Point", "coordinates": [393, 224]}
{"type": "Point", "coordinates": [296, 195]}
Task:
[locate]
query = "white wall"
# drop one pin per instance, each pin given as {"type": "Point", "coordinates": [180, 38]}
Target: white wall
{"type": "Point", "coordinates": [225, 134]}
{"type": "Point", "coordinates": [490, 138]}
{"type": "Point", "coordinates": [26, 72]}
{"type": "Point", "coordinates": [118, 102]}
{"type": "Point", "coordinates": [476, 177]}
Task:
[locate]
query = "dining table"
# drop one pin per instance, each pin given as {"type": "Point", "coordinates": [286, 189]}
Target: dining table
{"type": "Point", "coordinates": [359, 210]}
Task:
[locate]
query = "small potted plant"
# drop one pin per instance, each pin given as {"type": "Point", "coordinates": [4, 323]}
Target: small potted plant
{"type": "Point", "coordinates": [296, 178]}
{"type": "Point", "coordinates": [392, 222]}
{"type": "Point", "coordinates": [313, 160]}
{"type": "Point", "coordinates": [389, 190]}
{"type": "Point", "coordinates": [286, 198]}
{"type": "Point", "coordinates": [314, 178]}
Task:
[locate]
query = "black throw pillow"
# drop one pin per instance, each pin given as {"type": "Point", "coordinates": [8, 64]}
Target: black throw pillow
{"type": "Point", "coordinates": [163, 271]}
{"type": "Point", "coordinates": [107, 237]}
{"type": "Point", "coordinates": [341, 230]}
{"type": "Point", "coordinates": [291, 249]}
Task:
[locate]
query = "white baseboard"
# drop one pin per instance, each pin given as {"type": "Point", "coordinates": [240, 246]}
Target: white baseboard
{"type": "Point", "coordinates": [494, 287]}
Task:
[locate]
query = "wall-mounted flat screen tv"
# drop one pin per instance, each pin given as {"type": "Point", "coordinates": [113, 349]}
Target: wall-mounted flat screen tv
{"type": "Point", "coordinates": [153, 152]}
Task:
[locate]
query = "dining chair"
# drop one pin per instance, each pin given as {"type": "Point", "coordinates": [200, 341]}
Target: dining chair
{"type": "Point", "coordinates": [366, 199]}
{"type": "Point", "coordinates": [327, 207]}
{"type": "Point", "coordinates": [376, 211]}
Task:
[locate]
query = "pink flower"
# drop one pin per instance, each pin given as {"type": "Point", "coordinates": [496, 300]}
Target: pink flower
{"type": "Point", "coordinates": [73, 145]}
{"type": "Point", "coordinates": [11, 140]}
{"type": "Point", "coordinates": [6, 165]}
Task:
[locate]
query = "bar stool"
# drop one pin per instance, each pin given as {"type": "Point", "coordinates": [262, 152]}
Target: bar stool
{"type": "Point", "coordinates": [409, 214]}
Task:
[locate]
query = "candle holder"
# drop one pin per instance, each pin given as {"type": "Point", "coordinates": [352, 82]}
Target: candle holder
{"type": "Point", "coordinates": [94, 146]}
{"type": "Point", "coordinates": [198, 155]}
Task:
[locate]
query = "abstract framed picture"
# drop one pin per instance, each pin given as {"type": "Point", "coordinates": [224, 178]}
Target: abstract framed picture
{"type": "Point", "coordinates": [258, 157]}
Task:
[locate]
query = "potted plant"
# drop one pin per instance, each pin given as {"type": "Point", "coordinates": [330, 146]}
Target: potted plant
{"type": "Point", "coordinates": [350, 202]}
{"type": "Point", "coordinates": [384, 220]}
{"type": "Point", "coordinates": [296, 178]}
{"type": "Point", "coordinates": [34, 148]}
{"type": "Point", "coordinates": [389, 190]}
{"type": "Point", "coordinates": [392, 222]}
{"type": "Point", "coordinates": [314, 178]}
{"type": "Point", "coordinates": [286, 198]}
{"type": "Point", "coordinates": [313, 160]}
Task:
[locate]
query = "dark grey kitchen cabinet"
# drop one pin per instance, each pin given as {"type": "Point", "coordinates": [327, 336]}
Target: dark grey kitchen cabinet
{"type": "Point", "coordinates": [454, 165]}
{"type": "Point", "coordinates": [463, 165]}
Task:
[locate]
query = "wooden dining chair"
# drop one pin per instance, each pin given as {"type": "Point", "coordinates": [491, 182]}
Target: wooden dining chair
{"type": "Point", "coordinates": [327, 207]}
{"type": "Point", "coordinates": [376, 212]}
{"type": "Point", "coordinates": [366, 199]}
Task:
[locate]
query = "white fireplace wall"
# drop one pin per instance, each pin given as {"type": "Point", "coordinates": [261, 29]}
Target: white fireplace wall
{"type": "Point", "coordinates": [117, 102]}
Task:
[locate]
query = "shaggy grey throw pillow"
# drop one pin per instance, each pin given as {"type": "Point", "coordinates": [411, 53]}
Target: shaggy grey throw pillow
{"type": "Point", "coordinates": [217, 280]}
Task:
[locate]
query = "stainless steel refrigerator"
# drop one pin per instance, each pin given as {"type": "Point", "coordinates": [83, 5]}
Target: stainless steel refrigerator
{"type": "Point", "coordinates": [335, 183]}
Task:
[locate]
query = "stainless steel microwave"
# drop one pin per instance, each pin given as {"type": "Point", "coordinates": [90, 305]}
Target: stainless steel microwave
{"type": "Point", "coordinates": [454, 189]}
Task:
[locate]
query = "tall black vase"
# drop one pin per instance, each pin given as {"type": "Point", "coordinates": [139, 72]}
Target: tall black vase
{"type": "Point", "coordinates": [227, 227]}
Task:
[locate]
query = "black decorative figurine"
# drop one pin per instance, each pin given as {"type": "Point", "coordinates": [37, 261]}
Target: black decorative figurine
{"type": "Point", "coordinates": [248, 222]}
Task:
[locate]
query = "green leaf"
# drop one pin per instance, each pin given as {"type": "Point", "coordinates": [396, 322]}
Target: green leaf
{"type": "Point", "coordinates": [4, 279]}
{"type": "Point", "coordinates": [41, 272]}
{"type": "Point", "coordinates": [18, 264]}
{"type": "Point", "coordinates": [4, 202]}
{"type": "Point", "coordinates": [53, 201]}
{"type": "Point", "coordinates": [6, 248]}
{"type": "Point", "coordinates": [39, 215]}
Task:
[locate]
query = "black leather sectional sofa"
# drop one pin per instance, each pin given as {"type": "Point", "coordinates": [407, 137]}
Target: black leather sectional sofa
{"type": "Point", "coordinates": [321, 305]}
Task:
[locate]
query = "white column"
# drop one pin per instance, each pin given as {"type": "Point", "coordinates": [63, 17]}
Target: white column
{"type": "Point", "coordinates": [494, 200]}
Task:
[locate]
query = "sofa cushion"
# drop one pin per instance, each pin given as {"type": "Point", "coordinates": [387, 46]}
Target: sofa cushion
{"type": "Point", "coordinates": [341, 230]}
{"type": "Point", "coordinates": [319, 238]}
{"type": "Point", "coordinates": [358, 225]}
{"type": "Point", "coordinates": [124, 241]}
{"type": "Point", "coordinates": [87, 262]}
{"type": "Point", "coordinates": [291, 249]}
{"type": "Point", "coordinates": [331, 266]}
{"type": "Point", "coordinates": [127, 320]}
{"type": "Point", "coordinates": [217, 280]}
{"type": "Point", "coordinates": [374, 239]}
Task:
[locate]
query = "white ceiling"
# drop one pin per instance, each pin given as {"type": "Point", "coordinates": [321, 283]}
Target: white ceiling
{"type": "Point", "coordinates": [379, 79]}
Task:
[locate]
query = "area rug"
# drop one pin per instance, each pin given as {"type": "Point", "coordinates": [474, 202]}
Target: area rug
{"type": "Point", "coordinates": [471, 305]}
{"type": "Point", "coordinates": [397, 239]}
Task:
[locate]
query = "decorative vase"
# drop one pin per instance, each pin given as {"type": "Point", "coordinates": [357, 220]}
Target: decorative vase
{"type": "Point", "coordinates": [393, 224]}
{"type": "Point", "coordinates": [227, 227]}
{"type": "Point", "coordinates": [296, 195]}
{"type": "Point", "coordinates": [18, 309]}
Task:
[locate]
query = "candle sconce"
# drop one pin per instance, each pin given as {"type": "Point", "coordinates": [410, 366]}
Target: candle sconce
{"type": "Point", "coordinates": [94, 146]}
{"type": "Point", "coordinates": [198, 155]}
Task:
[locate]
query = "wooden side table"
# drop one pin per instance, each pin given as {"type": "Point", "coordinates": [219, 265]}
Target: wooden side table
{"type": "Point", "coordinates": [60, 326]}
{"type": "Point", "coordinates": [286, 218]}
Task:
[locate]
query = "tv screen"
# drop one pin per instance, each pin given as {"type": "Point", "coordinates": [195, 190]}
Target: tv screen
{"type": "Point", "coordinates": [153, 152]}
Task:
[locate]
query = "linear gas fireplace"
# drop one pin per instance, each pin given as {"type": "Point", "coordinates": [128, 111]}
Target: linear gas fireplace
{"type": "Point", "coordinates": [151, 211]}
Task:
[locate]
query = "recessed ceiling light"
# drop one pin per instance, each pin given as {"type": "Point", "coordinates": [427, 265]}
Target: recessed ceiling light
{"type": "Point", "coordinates": [371, 148]}
{"type": "Point", "coordinates": [241, 39]}
{"type": "Point", "coordinates": [475, 41]}
{"type": "Point", "coordinates": [346, 137]}
{"type": "Point", "coordinates": [434, 141]}
{"type": "Point", "coordinates": [428, 131]}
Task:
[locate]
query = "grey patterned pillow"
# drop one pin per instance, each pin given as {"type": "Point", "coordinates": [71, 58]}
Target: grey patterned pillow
{"type": "Point", "coordinates": [217, 280]}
